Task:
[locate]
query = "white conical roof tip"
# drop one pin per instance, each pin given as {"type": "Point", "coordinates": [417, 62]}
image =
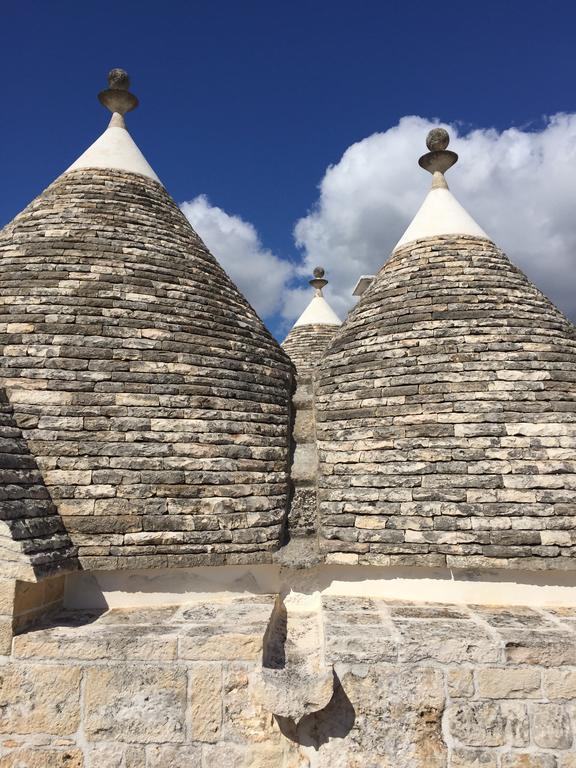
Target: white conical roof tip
{"type": "Point", "coordinates": [318, 312]}
{"type": "Point", "coordinates": [115, 148]}
{"type": "Point", "coordinates": [440, 213]}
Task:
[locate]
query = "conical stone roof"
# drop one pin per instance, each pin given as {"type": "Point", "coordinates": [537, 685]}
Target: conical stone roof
{"type": "Point", "coordinates": [149, 393]}
{"type": "Point", "coordinates": [446, 415]}
{"type": "Point", "coordinates": [313, 330]}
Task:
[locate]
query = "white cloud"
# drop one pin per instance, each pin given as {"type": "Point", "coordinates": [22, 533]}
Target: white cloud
{"type": "Point", "coordinates": [259, 274]}
{"type": "Point", "coordinates": [519, 185]}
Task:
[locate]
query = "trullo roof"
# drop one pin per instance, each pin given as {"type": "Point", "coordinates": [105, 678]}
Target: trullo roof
{"type": "Point", "coordinates": [452, 385]}
{"type": "Point", "coordinates": [148, 391]}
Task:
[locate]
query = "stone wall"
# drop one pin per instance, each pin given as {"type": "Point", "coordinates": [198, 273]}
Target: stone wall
{"type": "Point", "coordinates": [415, 686]}
{"type": "Point", "coordinates": [150, 395]}
{"type": "Point", "coordinates": [306, 346]}
{"type": "Point", "coordinates": [446, 417]}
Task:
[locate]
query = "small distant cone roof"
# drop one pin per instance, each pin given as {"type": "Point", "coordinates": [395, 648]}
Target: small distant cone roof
{"type": "Point", "coordinates": [115, 148]}
{"type": "Point", "coordinates": [318, 312]}
{"type": "Point", "coordinates": [440, 213]}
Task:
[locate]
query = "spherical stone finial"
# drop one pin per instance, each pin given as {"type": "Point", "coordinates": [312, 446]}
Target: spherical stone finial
{"type": "Point", "coordinates": [318, 282]}
{"type": "Point", "coordinates": [117, 98]}
{"type": "Point", "coordinates": [437, 139]}
{"type": "Point", "coordinates": [118, 79]}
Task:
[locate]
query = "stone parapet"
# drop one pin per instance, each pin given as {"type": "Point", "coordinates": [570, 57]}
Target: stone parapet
{"type": "Point", "coordinates": [415, 686]}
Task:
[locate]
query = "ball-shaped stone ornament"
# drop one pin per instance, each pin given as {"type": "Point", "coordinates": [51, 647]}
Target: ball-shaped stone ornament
{"type": "Point", "coordinates": [437, 140]}
{"type": "Point", "coordinates": [318, 272]}
{"type": "Point", "coordinates": [118, 79]}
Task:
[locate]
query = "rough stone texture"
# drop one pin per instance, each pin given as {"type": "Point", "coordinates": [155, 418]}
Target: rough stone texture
{"type": "Point", "coordinates": [144, 395]}
{"type": "Point", "coordinates": [33, 540]}
{"type": "Point", "coordinates": [306, 346]}
{"type": "Point", "coordinates": [446, 416]}
{"type": "Point", "coordinates": [106, 708]}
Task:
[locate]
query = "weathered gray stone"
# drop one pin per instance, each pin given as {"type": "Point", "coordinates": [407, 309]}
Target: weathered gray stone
{"type": "Point", "coordinates": [551, 726]}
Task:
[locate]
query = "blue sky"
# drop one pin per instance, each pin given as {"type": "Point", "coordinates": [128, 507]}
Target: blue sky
{"type": "Point", "coordinates": [249, 102]}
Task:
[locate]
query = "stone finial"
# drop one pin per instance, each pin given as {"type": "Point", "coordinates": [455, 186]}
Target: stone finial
{"type": "Point", "coordinates": [318, 282]}
{"type": "Point", "coordinates": [439, 159]}
{"type": "Point", "coordinates": [117, 98]}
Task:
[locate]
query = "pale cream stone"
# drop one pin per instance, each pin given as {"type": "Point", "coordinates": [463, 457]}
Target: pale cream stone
{"type": "Point", "coordinates": [225, 646]}
{"type": "Point", "coordinates": [5, 635]}
{"type": "Point", "coordinates": [473, 758]}
{"type": "Point", "coordinates": [560, 683]}
{"type": "Point", "coordinates": [36, 698]}
{"type": "Point", "coordinates": [551, 728]}
{"type": "Point", "coordinates": [45, 758]}
{"type": "Point", "coordinates": [342, 558]}
{"type": "Point", "coordinates": [460, 683]}
{"type": "Point", "coordinates": [499, 683]}
{"type": "Point", "coordinates": [163, 756]}
{"type": "Point", "coordinates": [205, 708]}
{"type": "Point", "coordinates": [527, 760]}
{"type": "Point", "coordinates": [7, 596]}
{"type": "Point", "coordinates": [135, 703]}
{"type": "Point", "coordinates": [20, 327]}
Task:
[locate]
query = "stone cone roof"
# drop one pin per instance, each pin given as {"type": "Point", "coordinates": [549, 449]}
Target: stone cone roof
{"type": "Point", "coordinates": [149, 393]}
{"type": "Point", "coordinates": [313, 330]}
{"type": "Point", "coordinates": [447, 416]}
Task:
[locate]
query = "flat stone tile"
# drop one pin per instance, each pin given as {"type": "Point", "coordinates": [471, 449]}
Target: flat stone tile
{"type": "Point", "coordinates": [549, 649]}
{"type": "Point", "coordinates": [146, 615]}
{"type": "Point", "coordinates": [143, 643]}
{"type": "Point", "coordinates": [427, 612]}
{"type": "Point", "coordinates": [447, 642]}
{"type": "Point", "coordinates": [354, 644]}
{"type": "Point", "coordinates": [134, 703]}
{"type": "Point", "coordinates": [203, 643]}
{"type": "Point", "coordinates": [518, 617]}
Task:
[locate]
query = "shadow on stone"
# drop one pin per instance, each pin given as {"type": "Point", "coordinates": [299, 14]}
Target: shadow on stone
{"type": "Point", "coordinates": [335, 721]}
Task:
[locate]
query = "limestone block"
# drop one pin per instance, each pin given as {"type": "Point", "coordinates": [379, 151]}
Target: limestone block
{"type": "Point", "coordinates": [5, 635]}
{"type": "Point", "coordinates": [304, 429]}
{"type": "Point", "coordinates": [205, 644]}
{"type": "Point", "coordinates": [527, 760]}
{"type": "Point", "coordinates": [135, 703]}
{"type": "Point", "coordinates": [162, 756]}
{"type": "Point", "coordinates": [228, 755]}
{"type": "Point", "coordinates": [473, 758]}
{"type": "Point", "coordinates": [551, 728]}
{"type": "Point", "coordinates": [517, 723]}
{"type": "Point", "coordinates": [246, 721]}
{"type": "Point", "coordinates": [478, 724]}
{"type": "Point", "coordinates": [110, 755]}
{"type": "Point", "coordinates": [559, 683]}
{"type": "Point", "coordinates": [549, 649]}
{"type": "Point", "coordinates": [205, 708]}
{"type": "Point", "coordinates": [507, 683]}
{"type": "Point", "coordinates": [460, 683]}
{"type": "Point", "coordinates": [351, 644]}
{"type": "Point", "coordinates": [6, 596]}
{"type": "Point", "coordinates": [305, 462]}
{"type": "Point", "coordinates": [566, 760]}
{"type": "Point", "coordinates": [94, 642]}
{"type": "Point", "coordinates": [44, 758]}
{"type": "Point", "coordinates": [39, 699]}
{"type": "Point", "coordinates": [459, 642]}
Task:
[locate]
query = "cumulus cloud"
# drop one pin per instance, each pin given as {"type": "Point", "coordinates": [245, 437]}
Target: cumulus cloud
{"type": "Point", "coordinates": [259, 274]}
{"type": "Point", "coordinates": [519, 185]}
